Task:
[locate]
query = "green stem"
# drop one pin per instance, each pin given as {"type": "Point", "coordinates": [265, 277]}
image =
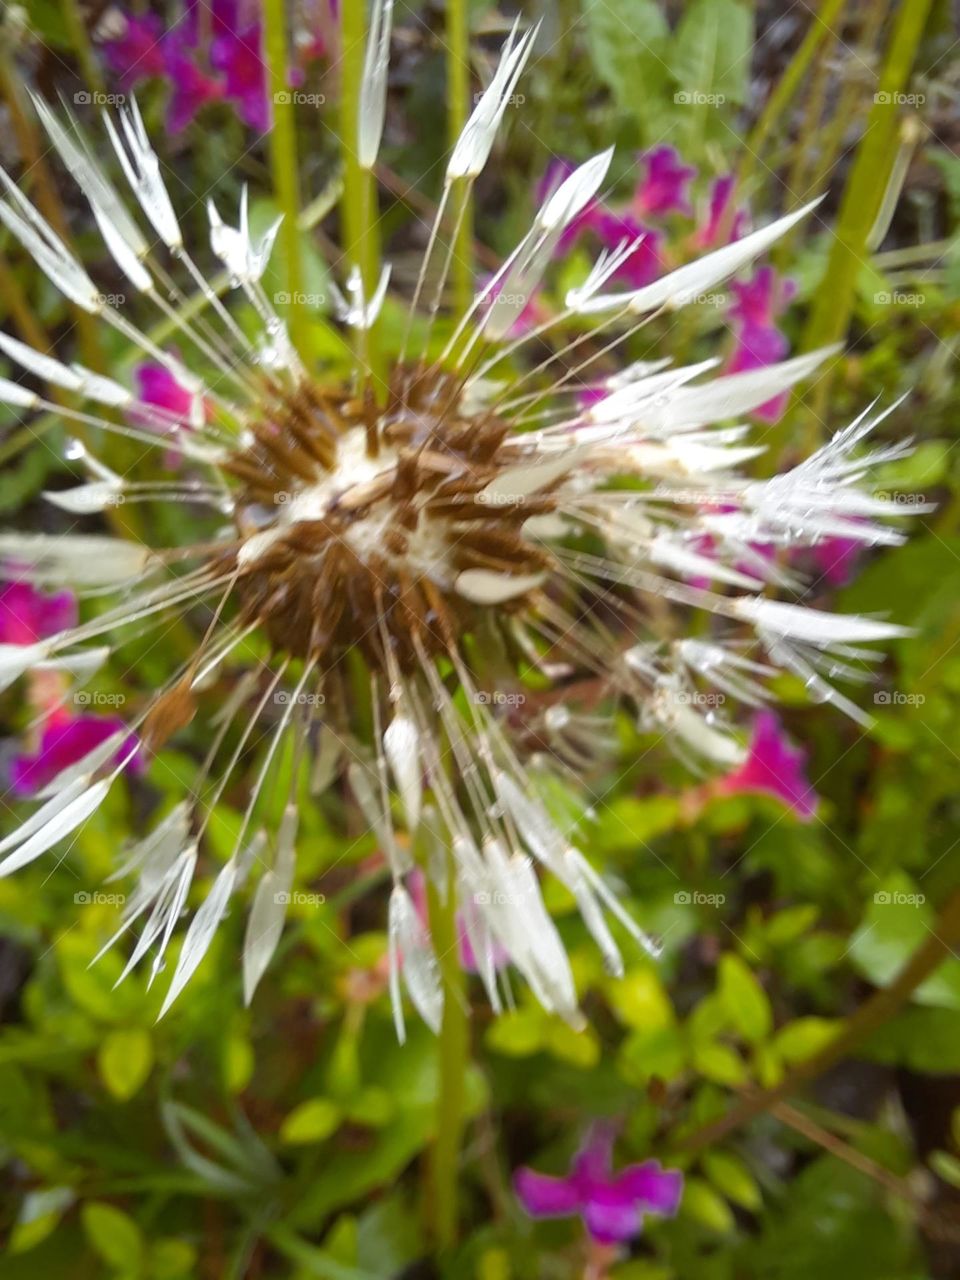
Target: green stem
{"type": "Point", "coordinates": [359, 235]}
{"type": "Point", "coordinates": [864, 191]}
{"type": "Point", "coordinates": [80, 39]}
{"type": "Point", "coordinates": [284, 166]}
{"type": "Point", "coordinates": [453, 1058]}
{"type": "Point", "coordinates": [458, 109]}
{"type": "Point", "coordinates": [789, 83]}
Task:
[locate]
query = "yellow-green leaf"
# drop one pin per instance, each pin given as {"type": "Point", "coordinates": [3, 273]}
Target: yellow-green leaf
{"type": "Point", "coordinates": [729, 1174]}
{"type": "Point", "coordinates": [312, 1121]}
{"type": "Point", "coordinates": [744, 999]}
{"type": "Point", "coordinates": [124, 1061]}
{"type": "Point", "coordinates": [114, 1235]}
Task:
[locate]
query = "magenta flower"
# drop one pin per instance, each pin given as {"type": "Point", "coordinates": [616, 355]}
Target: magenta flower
{"type": "Point", "coordinates": [237, 53]}
{"type": "Point", "coordinates": [774, 768]}
{"type": "Point", "coordinates": [724, 223]}
{"type": "Point", "coordinates": [759, 342]}
{"type": "Point", "coordinates": [468, 957]}
{"type": "Point", "coordinates": [663, 189]}
{"type": "Point", "coordinates": [646, 262]}
{"type": "Point", "coordinates": [157, 386]}
{"type": "Point", "coordinates": [835, 559]}
{"type": "Point", "coordinates": [192, 87]}
{"type": "Point", "coordinates": [65, 740]}
{"type": "Point", "coordinates": [612, 1207]}
{"type": "Point", "coordinates": [27, 615]}
{"type": "Point", "coordinates": [136, 54]}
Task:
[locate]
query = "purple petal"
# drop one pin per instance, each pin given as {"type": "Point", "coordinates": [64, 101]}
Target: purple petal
{"type": "Point", "coordinates": [611, 1215]}
{"type": "Point", "coordinates": [27, 615]}
{"type": "Point", "coordinates": [774, 768]}
{"type": "Point", "coordinates": [663, 190]}
{"type": "Point", "coordinates": [238, 54]}
{"type": "Point", "coordinates": [63, 743]}
{"type": "Point", "coordinates": [192, 88]}
{"type": "Point", "coordinates": [546, 1197]}
{"type": "Point", "coordinates": [136, 54]}
{"type": "Point", "coordinates": [724, 224]}
{"type": "Point", "coordinates": [653, 1188]}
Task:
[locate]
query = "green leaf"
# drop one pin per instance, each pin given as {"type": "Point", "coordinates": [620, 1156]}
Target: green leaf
{"type": "Point", "coordinates": [730, 1174]}
{"type": "Point", "coordinates": [804, 1037]}
{"type": "Point", "coordinates": [703, 1205]}
{"type": "Point", "coordinates": [645, 1055]}
{"type": "Point", "coordinates": [313, 1121]}
{"type": "Point", "coordinates": [124, 1061]}
{"type": "Point", "coordinates": [718, 1062]}
{"type": "Point", "coordinates": [172, 1260]}
{"type": "Point", "coordinates": [897, 921]}
{"type": "Point", "coordinates": [518, 1033]}
{"type": "Point", "coordinates": [744, 999]}
{"type": "Point", "coordinates": [628, 42]}
{"type": "Point", "coordinates": [579, 1048]}
{"type": "Point", "coordinates": [114, 1235]}
{"type": "Point", "coordinates": [640, 1001]}
{"type": "Point", "coordinates": [39, 1215]}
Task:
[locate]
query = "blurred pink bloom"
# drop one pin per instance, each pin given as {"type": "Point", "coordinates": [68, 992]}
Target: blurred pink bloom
{"type": "Point", "coordinates": [724, 224]}
{"type": "Point", "coordinates": [237, 53]}
{"type": "Point", "coordinates": [663, 189]}
{"type": "Point", "coordinates": [646, 262]}
{"type": "Point", "coordinates": [137, 53]}
{"type": "Point", "coordinates": [27, 615]}
{"type": "Point", "coordinates": [774, 768]}
{"type": "Point", "coordinates": [612, 1207]}
{"type": "Point", "coordinates": [835, 559]}
{"type": "Point", "coordinates": [468, 959]}
{"type": "Point", "coordinates": [192, 87]}
{"type": "Point", "coordinates": [65, 740]}
{"type": "Point", "coordinates": [758, 340]}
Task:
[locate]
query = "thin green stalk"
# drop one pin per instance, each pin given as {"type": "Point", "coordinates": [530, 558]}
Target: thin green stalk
{"type": "Point", "coordinates": [789, 83]}
{"type": "Point", "coordinates": [82, 47]}
{"type": "Point", "coordinates": [458, 109]}
{"type": "Point", "coordinates": [284, 167]}
{"type": "Point", "coordinates": [864, 192]}
{"type": "Point", "coordinates": [359, 236]}
{"type": "Point", "coordinates": [453, 1059]}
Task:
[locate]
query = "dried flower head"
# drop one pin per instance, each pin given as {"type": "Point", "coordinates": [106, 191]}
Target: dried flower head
{"type": "Point", "coordinates": [402, 555]}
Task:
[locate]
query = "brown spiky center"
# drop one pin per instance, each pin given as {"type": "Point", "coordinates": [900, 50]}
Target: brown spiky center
{"type": "Point", "coordinates": [356, 519]}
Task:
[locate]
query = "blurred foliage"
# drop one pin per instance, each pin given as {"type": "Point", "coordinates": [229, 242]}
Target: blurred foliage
{"type": "Point", "coordinates": [288, 1139]}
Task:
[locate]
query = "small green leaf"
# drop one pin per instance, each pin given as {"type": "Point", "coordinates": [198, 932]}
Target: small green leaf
{"type": "Point", "coordinates": [744, 998]}
{"type": "Point", "coordinates": [804, 1037]}
{"type": "Point", "coordinates": [313, 1121]}
{"type": "Point", "coordinates": [124, 1061]}
{"type": "Point", "coordinates": [114, 1235]}
{"type": "Point", "coordinates": [718, 1062]}
{"type": "Point", "coordinates": [729, 1174]}
{"type": "Point", "coordinates": [702, 1204]}
{"type": "Point", "coordinates": [518, 1033]}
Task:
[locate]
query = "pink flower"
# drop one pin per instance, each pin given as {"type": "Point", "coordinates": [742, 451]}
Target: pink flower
{"type": "Point", "coordinates": [65, 740]}
{"type": "Point", "coordinates": [468, 958]}
{"type": "Point", "coordinates": [835, 559]}
{"type": "Point", "coordinates": [646, 262]}
{"type": "Point", "coordinates": [724, 224]}
{"type": "Point", "coordinates": [27, 615]}
{"type": "Point", "coordinates": [238, 54]}
{"type": "Point", "coordinates": [157, 386]}
{"type": "Point", "coordinates": [137, 53]}
{"type": "Point", "coordinates": [192, 87]}
{"type": "Point", "coordinates": [663, 189]}
{"type": "Point", "coordinates": [612, 1207]}
{"type": "Point", "coordinates": [758, 340]}
{"type": "Point", "coordinates": [774, 768]}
